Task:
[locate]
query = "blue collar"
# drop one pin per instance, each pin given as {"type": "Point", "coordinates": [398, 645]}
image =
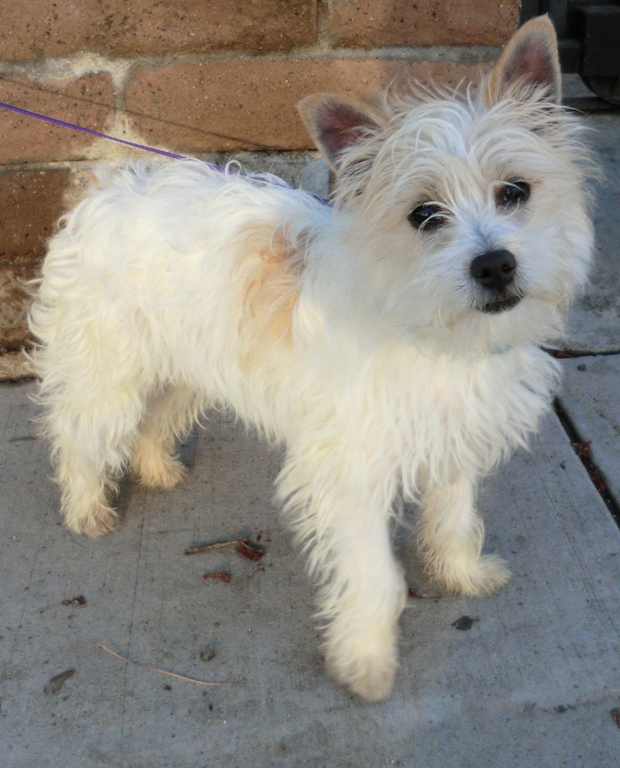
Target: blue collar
{"type": "Point", "coordinates": [501, 350]}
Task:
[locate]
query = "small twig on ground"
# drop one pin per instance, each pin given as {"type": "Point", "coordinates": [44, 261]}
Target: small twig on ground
{"type": "Point", "coordinates": [217, 545]}
{"type": "Point", "coordinates": [415, 596]}
{"type": "Point", "coordinates": [79, 601]}
{"type": "Point", "coordinates": [248, 550]}
{"type": "Point", "coordinates": [155, 669]}
{"type": "Point", "coordinates": [221, 575]}
{"type": "Point", "coordinates": [244, 548]}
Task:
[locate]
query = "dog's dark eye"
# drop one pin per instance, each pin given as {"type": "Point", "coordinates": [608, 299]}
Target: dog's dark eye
{"type": "Point", "coordinates": [427, 216]}
{"type": "Point", "coordinates": [512, 194]}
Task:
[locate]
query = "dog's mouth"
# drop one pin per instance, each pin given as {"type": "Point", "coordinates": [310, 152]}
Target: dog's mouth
{"type": "Point", "coordinates": [500, 305]}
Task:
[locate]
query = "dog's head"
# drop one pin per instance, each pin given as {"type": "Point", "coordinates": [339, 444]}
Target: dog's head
{"type": "Point", "coordinates": [467, 210]}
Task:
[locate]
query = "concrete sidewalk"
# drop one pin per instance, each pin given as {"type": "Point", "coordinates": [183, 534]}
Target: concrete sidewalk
{"type": "Point", "coordinates": [532, 683]}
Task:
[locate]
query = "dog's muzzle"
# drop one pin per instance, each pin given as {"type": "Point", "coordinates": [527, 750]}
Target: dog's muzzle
{"type": "Point", "coordinates": [495, 272]}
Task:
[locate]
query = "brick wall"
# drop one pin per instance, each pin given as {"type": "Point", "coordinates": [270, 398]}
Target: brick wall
{"type": "Point", "coordinates": [197, 77]}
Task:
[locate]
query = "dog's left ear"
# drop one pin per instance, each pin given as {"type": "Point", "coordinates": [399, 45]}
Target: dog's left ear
{"type": "Point", "coordinates": [335, 124]}
{"type": "Point", "coordinates": [530, 59]}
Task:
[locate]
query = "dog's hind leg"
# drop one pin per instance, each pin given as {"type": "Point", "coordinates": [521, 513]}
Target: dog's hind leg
{"type": "Point", "coordinates": [170, 415]}
{"type": "Point", "coordinates": [451, 535]}
{"type": "Point", "coordinates": [91, 445]}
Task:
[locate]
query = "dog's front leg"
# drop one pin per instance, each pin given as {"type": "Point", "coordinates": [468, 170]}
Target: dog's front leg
{"type": "Point", "coordinates": [362, 588]}
{"type": "Point", "coordinates": [362, 600]}
{"type": "Point", "coordinates": [451, 535]}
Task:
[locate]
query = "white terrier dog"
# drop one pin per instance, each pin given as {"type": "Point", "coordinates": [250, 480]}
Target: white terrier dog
{"type": "Point", "coordinates": [389, 341]}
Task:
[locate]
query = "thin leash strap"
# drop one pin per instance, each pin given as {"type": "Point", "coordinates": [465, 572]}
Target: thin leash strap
{"type": "Point", "coordinates": [73, 126]}
{"type": "Point", "coordinates": [98, 134]}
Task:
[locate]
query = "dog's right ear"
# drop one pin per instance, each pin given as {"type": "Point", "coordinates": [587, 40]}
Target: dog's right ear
{"type": "Point", "coordinates": [336, 124]}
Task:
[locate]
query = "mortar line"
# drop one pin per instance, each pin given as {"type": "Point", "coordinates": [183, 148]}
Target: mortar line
{"type": "Point", "coordinates": [456, 54]}
{"type": "Point", "coordinates": [216, 157]}
{"type": "Point", "coordinates": [322, 26]}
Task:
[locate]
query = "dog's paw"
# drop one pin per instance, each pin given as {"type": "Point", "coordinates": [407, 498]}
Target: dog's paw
{"type": "Point", "coordinates": [489, 574]}
{"type": "Point", "coordinates": [100, 520]}
{"type": "Point", "coordinates": [494, 573]}
{"type": "Point", "coordinates": [165, 473]}
{"type": "Point", "coordinates": [371, 678]}
{"type": "Point", "coordinates": [374, 681]}
{"type": "Point", "coordinates": [368, 674]}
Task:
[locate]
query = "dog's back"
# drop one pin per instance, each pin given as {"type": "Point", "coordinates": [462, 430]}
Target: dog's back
{"type": "Point", "coordinates": [181, 272]}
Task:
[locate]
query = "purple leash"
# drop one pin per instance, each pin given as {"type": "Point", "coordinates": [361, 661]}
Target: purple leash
{"type": "Point", "coordinates": [65, 124]}
{"type": "Point", "coordinates": [98, 134]}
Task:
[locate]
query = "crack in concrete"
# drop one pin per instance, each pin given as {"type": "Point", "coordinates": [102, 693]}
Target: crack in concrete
{"type": "Point", "coordinates": [594, 473]}
{"type": "Point", "coordinates": [565, 354]}
{"type": "Point", "coordinates": [133, 611]}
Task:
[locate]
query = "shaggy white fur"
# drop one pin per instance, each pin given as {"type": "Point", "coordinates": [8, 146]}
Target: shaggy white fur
{"type": "Point", "coordinates": [360, 335]}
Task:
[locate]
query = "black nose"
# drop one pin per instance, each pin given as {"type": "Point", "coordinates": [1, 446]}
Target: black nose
{"type": "Point", "coordinates": [494, 270]}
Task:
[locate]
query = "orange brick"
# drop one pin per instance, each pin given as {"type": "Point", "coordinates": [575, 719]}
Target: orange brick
{"type": "Point", "coordinates": [36, 28]}
{"type": "Point", "coordinates": [251, 105]}
{"type": "Point", "coordinates": [87, 101]}
{"type": "Point", "coordinates": [424, 22]}
{"type": "Point", "coordinates": [32, 202]}
{"type": "Point", "coordinates": [14, 302]}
